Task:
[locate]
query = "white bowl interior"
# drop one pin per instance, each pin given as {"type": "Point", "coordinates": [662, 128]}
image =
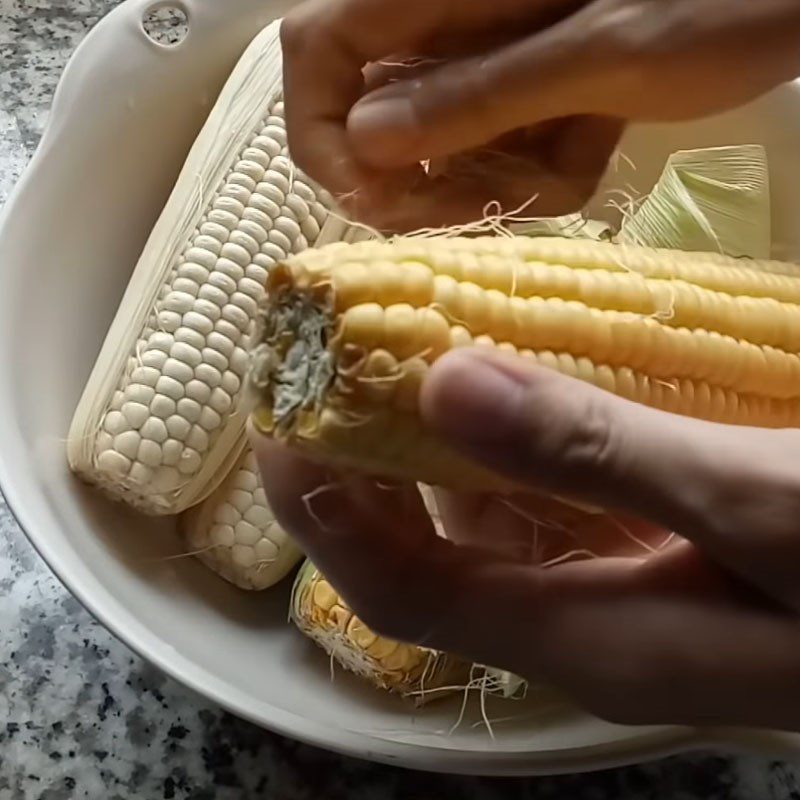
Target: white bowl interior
{"type": "Point", "coordinates": [124, 118]}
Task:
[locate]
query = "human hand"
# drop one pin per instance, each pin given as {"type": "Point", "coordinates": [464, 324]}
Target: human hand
{"type": "Point", "coordinates": [702, 631]}
{"type": "Point", "coordinates": [514, 97]}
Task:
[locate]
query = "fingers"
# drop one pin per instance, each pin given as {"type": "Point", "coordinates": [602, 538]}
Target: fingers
{"type": "Point", "coordinates": [499, 68]}
{"type": "Point", "coordinates": [541, 531]}
{"type": "Point", "coordinates": [611, 57]}
{"type": "Point", "coordinates": [551, 171]}
{"type": "Point", "coordinates": [326, 48]}
{"type": "Point", "coordinates": [638, 643]}
{"type": "Point", "coordinates": [464, 103]}
{"type": "Point", "coordinates": [326, 45]}
{"type": "Point", "coordinates": [562, 435]}
{"type": "Point", "coordinates": [651, 643]}
{"type": "Point", "coordinates": [735, 491]}
{"type": "Point", "coordinates": [400, 578]}
{"type": "Point", "coordinates": [381, 552]}
{"type": "Point", "coordinates": [332, 513]}
{"type": "Point", "coordinates": [487, 522]}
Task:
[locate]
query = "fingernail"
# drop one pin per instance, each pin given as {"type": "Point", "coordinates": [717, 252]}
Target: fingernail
{"type": "Point", "coordinates": [474, 401]}
{"type": "Point", "coordinates": [381, 127]}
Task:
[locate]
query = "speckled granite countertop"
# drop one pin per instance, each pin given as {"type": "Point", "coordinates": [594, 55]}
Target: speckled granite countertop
{"type": "Point", "coordinates": [81, 716]}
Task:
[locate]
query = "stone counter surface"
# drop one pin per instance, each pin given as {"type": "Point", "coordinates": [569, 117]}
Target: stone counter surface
{"type": "Point", "coordinates": [81, 716]}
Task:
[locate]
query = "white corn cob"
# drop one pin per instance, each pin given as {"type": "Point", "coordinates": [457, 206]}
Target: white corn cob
{"type": "Point", "coordinates": [158, 425]}
{"type": "Point", "coordinates": [235, 534]}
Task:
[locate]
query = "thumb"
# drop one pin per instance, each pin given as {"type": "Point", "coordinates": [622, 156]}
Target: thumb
{"type": "Point", "coordinates": [570, 438]}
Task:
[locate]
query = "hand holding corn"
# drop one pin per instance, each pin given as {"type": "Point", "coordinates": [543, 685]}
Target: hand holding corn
{"type": "Point", "coordinates": [703, 631]}
{"type": "Point", "coordinates": [510, 97]}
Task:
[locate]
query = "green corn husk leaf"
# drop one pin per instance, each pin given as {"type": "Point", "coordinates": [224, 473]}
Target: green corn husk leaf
{"type": "Point", "coordinates": [709, 200]}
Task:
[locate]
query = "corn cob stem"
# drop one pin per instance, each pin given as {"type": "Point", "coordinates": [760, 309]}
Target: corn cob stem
{"type": "Point", "coordinates": [348, 332]}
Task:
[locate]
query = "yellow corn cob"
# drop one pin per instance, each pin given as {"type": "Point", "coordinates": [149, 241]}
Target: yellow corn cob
{"type": "Point", "coordinates": [349, 331]}
{"type": "Point", "coordinates": [415, 672]}
{"type": "Point", "coordinates": [234, 533]}
{"type": "Point", "coordinates": [157, 425]}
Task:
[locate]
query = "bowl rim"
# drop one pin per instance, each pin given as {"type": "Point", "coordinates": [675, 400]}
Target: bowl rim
{"type": "Point", "coordinates": [659, 742]}
{"type": "Point", "coordinates": [632, 751]}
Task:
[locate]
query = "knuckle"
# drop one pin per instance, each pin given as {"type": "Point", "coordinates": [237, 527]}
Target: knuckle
{"type": "Point", "coordinates": [632, 32]}
{"type": "Point", "coordinates": [424, 109]}
{"type": "Point", "coordinates": [592, 444]}
{"type": "Point", "coordinates": [580, 442]}
{"type": "Point", "coordinates": [452, 92]}
{"type": "Point", "coordinates": [631, 43]}
{"type": "Point", "coordinates": [480, 92]}
{"type": "Point", "coordinates": [752, 510]}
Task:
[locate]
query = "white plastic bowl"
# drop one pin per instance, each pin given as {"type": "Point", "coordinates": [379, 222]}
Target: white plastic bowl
{"type": "Point", "coordinates": [124, 117]}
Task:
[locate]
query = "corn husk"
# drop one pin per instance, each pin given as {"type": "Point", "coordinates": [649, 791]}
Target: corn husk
{"type": "Point", "coordinates": [709, 200]}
